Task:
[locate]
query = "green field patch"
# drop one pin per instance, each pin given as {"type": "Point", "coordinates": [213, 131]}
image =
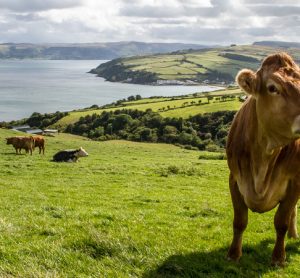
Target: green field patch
{"type": "Point", "coordinates": [176, 76]}
{"type": "Point", "coordinates": [96, 218]}
{"type": "Point", "coordinates": [168, 107]}
{"type": "Point", "coordinates": [187, 111]}
{"type": "Point", "coordinates": [153, 59]}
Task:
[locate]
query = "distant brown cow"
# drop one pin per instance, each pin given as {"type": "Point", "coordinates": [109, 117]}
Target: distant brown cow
{"type": "Point", "coordinates": [263, 151]}
{"type": "Point", "coordinates": [21, 142]}
{"type": "Point", "coordinates": [39, 142]}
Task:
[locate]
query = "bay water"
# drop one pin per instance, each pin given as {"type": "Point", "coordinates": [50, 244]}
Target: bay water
{"type": "Point", "coordinates": [45, 86]}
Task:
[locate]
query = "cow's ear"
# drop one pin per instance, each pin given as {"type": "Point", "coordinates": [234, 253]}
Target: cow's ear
{"type": "Point", "coordinates": [247, 80]}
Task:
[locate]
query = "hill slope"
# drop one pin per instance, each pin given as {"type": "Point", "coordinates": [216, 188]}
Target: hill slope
{"type": "Point", "coordinates": [129, 209]}
{"type": "Point", "coordinates": [282, 44]}
{"type": "Point", "coordinates": [184, 106]}
{"type": "Point", "coordinates": [208, 65]}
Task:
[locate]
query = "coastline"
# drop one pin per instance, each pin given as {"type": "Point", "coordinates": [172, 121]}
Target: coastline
{"type": "Point", "coordinates": [165, 82]}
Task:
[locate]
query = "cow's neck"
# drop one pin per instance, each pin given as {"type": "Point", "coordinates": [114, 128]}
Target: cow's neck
{"type": "Point", "coordinates": [264, 152]}
{"type": "Point", "coordinates": [262, 164]}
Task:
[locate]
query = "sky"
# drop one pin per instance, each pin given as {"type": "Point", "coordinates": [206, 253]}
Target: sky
{"type": "Point", "coordinates": [208, 22]}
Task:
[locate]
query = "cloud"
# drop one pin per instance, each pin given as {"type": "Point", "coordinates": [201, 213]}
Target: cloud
{"type": "Point", "coordinates": [275, 11]}
{"type": "Point", "coordinates": [37, 5]}
{"type": "Point", "coordinates": [150, 11]}
{"type": "Point", "coordinates": [27, 17]}
{"type": "Point", "coordinates": [269, 2]}
{"type": "Point", "coordinates": [196, 21]}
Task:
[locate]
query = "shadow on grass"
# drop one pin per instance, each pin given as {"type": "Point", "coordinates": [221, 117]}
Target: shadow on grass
{"type": "Point", "coordinates": [13, 153]}
{"type": "Point", "coordinates": [256, 260]}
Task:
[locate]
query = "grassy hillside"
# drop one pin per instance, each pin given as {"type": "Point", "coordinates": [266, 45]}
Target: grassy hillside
{"type": "Point", "coordinates": [211, 65]}
{"type": "Point", "coordinates": [127, 210]}
{"type": "Point", "coordinates": [168, 107]}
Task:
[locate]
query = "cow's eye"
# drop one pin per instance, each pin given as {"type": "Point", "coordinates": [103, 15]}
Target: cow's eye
{"type": "Point", "coordinates": [273, 90]}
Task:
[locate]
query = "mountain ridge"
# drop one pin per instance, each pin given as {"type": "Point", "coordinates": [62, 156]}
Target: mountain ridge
{"type": "Point", "coordinates": [88, 51]}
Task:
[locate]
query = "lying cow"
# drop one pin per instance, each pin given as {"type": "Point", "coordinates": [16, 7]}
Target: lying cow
{"type": "Point", "coordinates": [69, 155]}
{"type": "Point", "coordinates": [263, 151]}
{"type": "Point", "coordinates": [39, 142]}
{"type": "Point", "coordinates": [21, 142]}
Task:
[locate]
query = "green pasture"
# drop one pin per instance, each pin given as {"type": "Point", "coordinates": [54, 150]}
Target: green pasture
{"type": "Point", "coordinates": [127, 210]}
{"type": "Point", "coordinates": [192, 110]}
{"type": "Point", "coordinates": [194, 64]}
{"type": "Point", "coordinates": [168, 107]}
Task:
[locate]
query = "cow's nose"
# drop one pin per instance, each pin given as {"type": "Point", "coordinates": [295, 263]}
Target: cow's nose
{"type": "Point", "coordinates": [296, 126]}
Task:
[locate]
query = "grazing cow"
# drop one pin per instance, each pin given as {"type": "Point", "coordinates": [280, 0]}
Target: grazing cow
{"type": "Point", "coordinates": [69, 155]}
{"type": "Point", "coordinates": [39, 142]}
{"type": "Point", "coordinates": [263, 151]}
{"type": "Point", "coordinates": [21, 142]}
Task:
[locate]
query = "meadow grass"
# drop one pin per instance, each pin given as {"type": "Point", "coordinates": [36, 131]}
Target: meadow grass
{"type": "Point", "coordinates": [127, 210]}
{"type": "Point", "coordinates": [187, 111]}
{"type": "Point", "coordinates": [158, 104]}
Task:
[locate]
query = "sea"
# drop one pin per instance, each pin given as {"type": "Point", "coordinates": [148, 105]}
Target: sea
{"type": "Point", "coordinates": [47, 86]}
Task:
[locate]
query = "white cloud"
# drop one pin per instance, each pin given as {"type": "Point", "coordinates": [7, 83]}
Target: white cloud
{"type": "Point", "coordinates": [37, 5]}
{"type": "Point", "coordinates": [197, 21]}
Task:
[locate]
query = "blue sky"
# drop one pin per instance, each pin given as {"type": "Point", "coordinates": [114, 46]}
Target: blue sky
{"type": "Point", "coordinates": [207, 22]}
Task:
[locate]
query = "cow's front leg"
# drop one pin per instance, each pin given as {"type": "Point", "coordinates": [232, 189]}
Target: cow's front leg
{"type": "Point", "coordinates": [292, 230]}
{"type": "Point", "coordinates": [282, 222]}
{"type": "Point", "coordinates": [239, 222]}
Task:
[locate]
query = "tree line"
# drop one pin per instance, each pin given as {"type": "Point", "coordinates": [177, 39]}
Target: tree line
{"type": "Point", "coordinates": [204, 131]}
{"type": "Point", "coordinates": [37, 120]}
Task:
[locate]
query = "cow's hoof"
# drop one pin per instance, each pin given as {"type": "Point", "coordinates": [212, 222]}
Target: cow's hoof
{"type": "Point", "coordinates": [235, 260]}
{"type": "Point", "coordinates": [278, 263]}
{"type": "Point", "coordinates": [233, 255]}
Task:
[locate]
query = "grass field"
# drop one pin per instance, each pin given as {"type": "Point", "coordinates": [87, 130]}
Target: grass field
{"type": "Point", "coordinates": [127, 210]}
{"type": "Point", "coordinates": [167, 106]}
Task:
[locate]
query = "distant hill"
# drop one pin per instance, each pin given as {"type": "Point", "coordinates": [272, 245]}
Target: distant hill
{"type": "Point", "coordinates": [88, 51]}
{"type": "Point", "coordinates": [278, 44]}
{"type": "Point", "coordinates": [210, 66]}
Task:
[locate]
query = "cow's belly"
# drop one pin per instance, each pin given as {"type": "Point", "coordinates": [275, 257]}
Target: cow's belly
{"type": "Point", "coordinates": [262, 202]}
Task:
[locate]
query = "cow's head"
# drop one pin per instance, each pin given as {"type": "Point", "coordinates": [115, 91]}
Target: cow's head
{"type": "Point", "coordinates": [276, 88]}
{"type": "Point", "coordinates": [81, 152]}
{"type": "Point", "coordinates": [8, 141]}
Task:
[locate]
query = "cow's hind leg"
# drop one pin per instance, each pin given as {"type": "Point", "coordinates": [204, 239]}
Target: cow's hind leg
{"type": "Point", "coordinates": [283, 219]}
{"type": "Point", "coordinates": [239, 222]}
{"type": "Point", "coordinates": [292, 229]}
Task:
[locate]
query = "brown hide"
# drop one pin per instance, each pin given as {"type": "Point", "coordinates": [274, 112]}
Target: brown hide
{"type": "Point", "coordinates": [21, 142]}
{"type": "Point", "coordinates": [39, 142]}
{"type": "Point", "coordinates": [263, 150]}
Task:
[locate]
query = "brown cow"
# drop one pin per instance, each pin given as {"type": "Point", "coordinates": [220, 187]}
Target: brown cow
{"type": "Point", "coordinates": [39, 142]}
{"type": "Point", "coordinates": [21, 142]}
{"type": "Point", "coordinates": [263, 151]}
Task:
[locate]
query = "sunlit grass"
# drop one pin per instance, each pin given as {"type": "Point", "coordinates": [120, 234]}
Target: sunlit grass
{"type": "Point", "coordinates": [127, 210]}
